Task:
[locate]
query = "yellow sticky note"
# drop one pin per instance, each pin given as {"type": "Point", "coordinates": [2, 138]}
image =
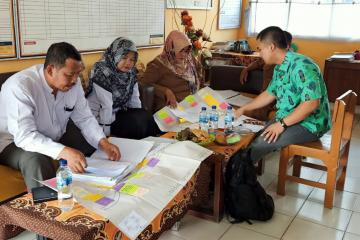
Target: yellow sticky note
{"type": "Point", "coordinates": [143, 163]}
{"type": "Point", "coordinates": [182, 120]}
{"type": "Point", "coordinates": [93, 197]}
{"type": "Point", "coordinates": [210, 100]}
{"type": "Point", "coordinates": [100, 186]}
{"type": "Point", "coordinates": [129, 188]}
{"type": "Point", "coordinates": [181, 108]}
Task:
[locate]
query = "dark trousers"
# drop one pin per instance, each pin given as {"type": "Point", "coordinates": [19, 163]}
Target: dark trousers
{"type": "Point", "coordinates": [294, 134]}
{"type": "Point", "coordinates": [33, 165]}
{"type": "Point", "coordinates": [134, 123]}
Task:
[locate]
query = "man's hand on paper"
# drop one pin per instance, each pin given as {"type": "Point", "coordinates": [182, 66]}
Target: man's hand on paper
{"type": "Point", "coordinates": [170, 98]}
{"type": "Point", "coordinates": [110, 149]}
{"type": "Point", "coordinates": [75, 159]}
{"type": "Point", "coordinates": [272, 132]}
{"type": "Point", "coordinates": [238, 112]}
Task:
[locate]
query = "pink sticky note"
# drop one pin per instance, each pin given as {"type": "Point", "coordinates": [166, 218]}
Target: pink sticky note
{"type": "Point", "coordinates": [168, 120]}
{"type": "Point", "coordinates": [152, 162]}
{"type": "Point", "coordinates": [193, 104]}
{"type": "Point", "coordinates": [104, 201]}
{"type": "Point", "coordinates": [52, 182]}
{"type": "Point", "coordinates": [223, 105]}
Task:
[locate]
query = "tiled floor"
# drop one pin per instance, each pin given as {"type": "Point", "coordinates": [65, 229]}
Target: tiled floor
{"type": "Point", "coordinates": [298, 215]}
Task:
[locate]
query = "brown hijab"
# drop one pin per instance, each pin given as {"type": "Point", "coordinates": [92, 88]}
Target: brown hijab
{"type": "Point", "coordinates": [182, 67]}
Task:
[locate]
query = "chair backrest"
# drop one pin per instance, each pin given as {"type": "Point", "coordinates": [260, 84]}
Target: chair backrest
{"type": "Point", "coordinates": [342, 120]}
{"type": "Point", "coordinates": [224, 77]}
{"type": "Point", "coordinates": [5, 76]}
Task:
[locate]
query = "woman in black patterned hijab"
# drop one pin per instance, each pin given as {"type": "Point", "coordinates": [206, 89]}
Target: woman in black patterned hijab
{"type": "Point", "coordinates": [114, 94]}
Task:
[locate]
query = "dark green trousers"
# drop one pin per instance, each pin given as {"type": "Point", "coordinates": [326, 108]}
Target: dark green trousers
{"type": "Point", "coordinates": [33, 165]}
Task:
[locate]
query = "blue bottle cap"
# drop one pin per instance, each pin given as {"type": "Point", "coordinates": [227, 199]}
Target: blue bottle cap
{"type": "Point", "coordinates": [63, 162]}
{"type": "Point", "coordinates": [213, 107]}
{"type": "Point", "coordinates": [229, 107]}
{"type": "Point", "coordinates": [203, 108]}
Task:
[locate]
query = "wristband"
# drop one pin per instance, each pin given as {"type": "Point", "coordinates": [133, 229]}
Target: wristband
{"type": "Point", "coordinates": [283, 124]}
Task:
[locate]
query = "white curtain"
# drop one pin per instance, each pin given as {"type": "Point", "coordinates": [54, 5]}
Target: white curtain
{"type": "Point", "coordinates": [325, 19]}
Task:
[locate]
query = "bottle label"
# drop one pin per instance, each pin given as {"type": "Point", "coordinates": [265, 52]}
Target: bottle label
{"type": "Point", "coordinates": [63, 182]}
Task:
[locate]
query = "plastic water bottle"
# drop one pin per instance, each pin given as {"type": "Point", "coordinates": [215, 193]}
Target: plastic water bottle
{"type": "Point", "coordinates": [203, 119]}
{"type": "Point", "coordinates": [64, 184]}
{"type": "Point", "coordinates": [229, 118]}
{"type": "Point", "coordinates": [213, 121]}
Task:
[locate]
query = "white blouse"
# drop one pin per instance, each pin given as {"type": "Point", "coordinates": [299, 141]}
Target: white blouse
{"type": "Point", "coordinates": [100, 102]}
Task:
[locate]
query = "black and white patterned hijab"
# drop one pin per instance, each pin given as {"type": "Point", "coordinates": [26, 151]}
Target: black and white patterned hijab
{"type": "Point", "coordinates": [106, 74]}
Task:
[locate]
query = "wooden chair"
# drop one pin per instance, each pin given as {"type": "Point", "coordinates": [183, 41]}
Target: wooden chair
{"type": "Point", "coordinates": [332, 149]}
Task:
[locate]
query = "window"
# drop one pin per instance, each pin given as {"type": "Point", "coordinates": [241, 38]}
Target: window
{"type": "Point", "coordinates": [325, 19]}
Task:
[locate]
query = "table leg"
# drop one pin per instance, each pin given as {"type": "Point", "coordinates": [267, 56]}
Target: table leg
{"type": "Point", "coordinates": [39, 237]}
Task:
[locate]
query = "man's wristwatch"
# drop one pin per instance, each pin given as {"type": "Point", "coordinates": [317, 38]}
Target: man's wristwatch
{"type": "Point", "coordinates": [283, 124]}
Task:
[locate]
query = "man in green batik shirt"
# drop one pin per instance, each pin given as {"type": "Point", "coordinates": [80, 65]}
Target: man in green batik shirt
{"type": "Point", "coordinates": [303, 112]}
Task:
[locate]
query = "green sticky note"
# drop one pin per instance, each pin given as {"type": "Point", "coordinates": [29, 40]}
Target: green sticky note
{"type": "Point", "coordinates": [190, 98]}
{"type": "Point", "coordinates": [233, 138]}
{"type": "Point", "coordinates": [136, 175]}
{"type": "Point", "coordinates": [129, 188]}
{"type": "Point", "coordinates": [162, 114]}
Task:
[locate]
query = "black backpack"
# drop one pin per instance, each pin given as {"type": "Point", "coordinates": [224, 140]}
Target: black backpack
{"type": "Point", "coordinates": [245, 198]}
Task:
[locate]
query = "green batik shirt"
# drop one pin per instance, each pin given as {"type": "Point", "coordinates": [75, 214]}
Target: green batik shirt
{"type": "Point", "coordinates": [296, 80]}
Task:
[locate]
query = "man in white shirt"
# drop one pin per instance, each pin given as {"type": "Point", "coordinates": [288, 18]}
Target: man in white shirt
{"type": "Point", "coordinates": [36, 105]}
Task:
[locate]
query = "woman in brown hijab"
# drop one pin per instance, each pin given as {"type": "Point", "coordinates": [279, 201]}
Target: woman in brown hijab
{"type": "Point", "coordinates": [175, 73]}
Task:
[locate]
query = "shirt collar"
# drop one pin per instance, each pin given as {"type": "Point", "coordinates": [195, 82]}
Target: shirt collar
{"type": "Point", "coordinates": [45, 83]}
{"type": "Point", "coordinates": [286, 62]}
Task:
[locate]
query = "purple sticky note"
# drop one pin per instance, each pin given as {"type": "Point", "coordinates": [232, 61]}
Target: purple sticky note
{"type": "Point", "coordinates": [152, 162]}
{"type": "Point", "coordinates": [119, 186]}
{"type": "Point", "coordinates": [104, 201]}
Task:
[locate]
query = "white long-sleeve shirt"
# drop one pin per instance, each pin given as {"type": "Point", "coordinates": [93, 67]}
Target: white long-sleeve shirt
{"type": "Point", "coordinates": [32, 118]}
{"type": "Point", "coordinates": [100, 102]}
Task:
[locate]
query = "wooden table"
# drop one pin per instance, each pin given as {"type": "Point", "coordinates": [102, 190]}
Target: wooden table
{"type": "Point", "coordinates": [223, 153]}
{"type": "Point", "coordinates": [49, 221]}
{"type": "Point", "coordinates": [340, 77]}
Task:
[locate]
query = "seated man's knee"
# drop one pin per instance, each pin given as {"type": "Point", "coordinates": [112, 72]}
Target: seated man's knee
{"type": "Point", "coordinates": [37, 161]}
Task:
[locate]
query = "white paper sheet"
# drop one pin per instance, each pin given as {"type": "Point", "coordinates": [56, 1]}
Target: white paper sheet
{"type": "Point", "coordinates": [239, 100]}
{"type": "Point", "coordinates": [240, 122]}
{"type": "Point", "coordinates": [105, 168]}
{"type": "Point", "coordinates": [227, 93]}
{"type": "Point", "coordinates": [133, 224]}
{"type": "Point", "coordinates": [167, 119]}
{"type": "Point", "coordinates": [190, 115]}
{"type": "Point", "coordinates": [131, 150]}
{"type": "Point", "coordinates": [103, 171]}
{"type": "Point", "coordinates": [161, 181]}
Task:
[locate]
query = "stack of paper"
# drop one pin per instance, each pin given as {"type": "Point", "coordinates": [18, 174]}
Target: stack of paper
{"type": "Point", "coordinates": [343, 57]}
{"type": "Point", "coordinates": [239, 100]}
{"type": "Point", "coordinates": [103, 171]}
{"type": "Point", "coordinates": [227, 93]}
